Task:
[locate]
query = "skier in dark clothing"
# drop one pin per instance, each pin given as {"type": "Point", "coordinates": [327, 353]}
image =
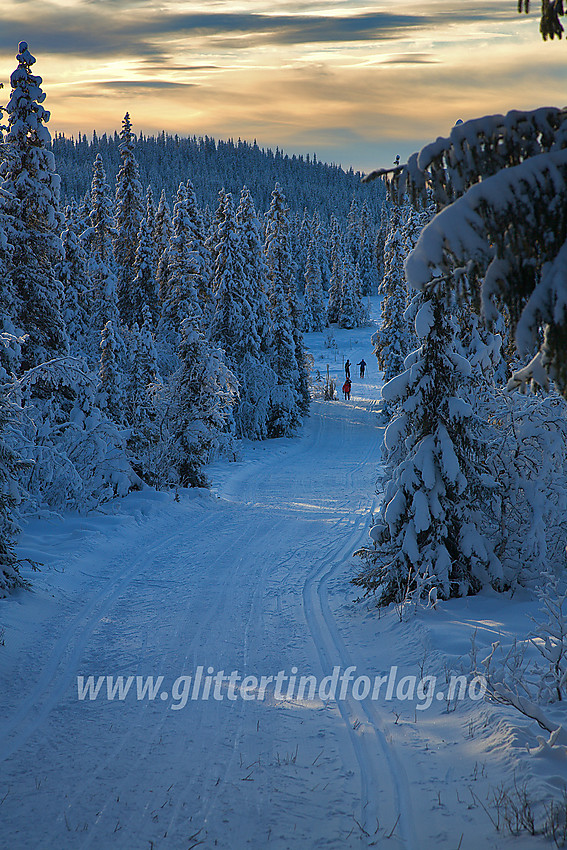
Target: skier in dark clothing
{"type": "Point", "coordinates": [347, 369]}
{"type": "Point", "coordinates": [362, 365]}
{"type": "Point", "coordinates": [346, 389]}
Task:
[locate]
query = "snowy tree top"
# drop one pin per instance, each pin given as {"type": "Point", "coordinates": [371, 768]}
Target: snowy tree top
{"type": "Point", "coordinates": [473, 151]}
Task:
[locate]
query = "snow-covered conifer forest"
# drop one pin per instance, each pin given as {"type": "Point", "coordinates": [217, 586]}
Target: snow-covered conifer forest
{"type": "Point", "coordinates": [185, 493]}
{"type": "Point", "coordinates": [152, 312]}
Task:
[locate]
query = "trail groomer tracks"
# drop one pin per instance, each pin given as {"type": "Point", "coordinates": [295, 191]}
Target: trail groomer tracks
{"type": "Point", "coordinates": [240, 580]}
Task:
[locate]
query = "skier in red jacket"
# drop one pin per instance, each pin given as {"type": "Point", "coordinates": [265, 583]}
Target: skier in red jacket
{"type": "Point", "coordinates": [346, 389]}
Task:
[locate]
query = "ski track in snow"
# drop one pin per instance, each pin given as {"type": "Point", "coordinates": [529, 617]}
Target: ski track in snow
{"type": "Point", "coordinates": [360, 717]}
{"type": "Point", "coordinates": [244, 579]}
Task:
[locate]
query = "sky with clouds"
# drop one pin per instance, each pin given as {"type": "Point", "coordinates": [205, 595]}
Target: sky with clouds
{"type": "Point", "coordinates": [354, 83]}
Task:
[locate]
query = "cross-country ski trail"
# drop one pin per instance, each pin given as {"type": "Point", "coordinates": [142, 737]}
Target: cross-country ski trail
{"type": "Point", "coordinates": [252, 577]}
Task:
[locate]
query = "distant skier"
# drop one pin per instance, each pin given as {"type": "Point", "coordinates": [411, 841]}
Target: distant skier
{"type": "Point", "coordinates": [347, 369]}
{"type": "Point", "coordinates": [346, 389]}
{"type": "Point", "coordinates": [362, 365]}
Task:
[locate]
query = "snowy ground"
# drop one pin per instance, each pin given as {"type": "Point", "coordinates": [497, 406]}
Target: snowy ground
{"type": "Point", "coordinates": [252, 577]}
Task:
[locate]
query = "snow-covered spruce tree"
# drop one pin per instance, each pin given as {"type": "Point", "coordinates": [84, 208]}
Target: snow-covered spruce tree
{"type": "Point", "coordinates": [27, 173]}
{"type": "Point", "coordinates": [290, 289]}
{"type": "Point", "coordinates": [306, 314]}
{"type": "Point", "coordinates": [232, 319]}
{"type": "Point", "coordinates": [314, 314]}
{"type": "Point", "coordinates": [129, 211]}
{"type": "Point", "coordinates": [181, 299]}
{"type": "Point", "coordinates": [292, 378]}
{"type": "Point", "coordinates": [362, 305]}
{"type": "Point", "coordinates": [432, 537]}
{"type": "Point", "coordinates": [285, 414]}
{"type": "Point", "coordinates": [487, 173]}
{"type": "Point", "coordinates": [352, 235]}
{"type": "Point", "coordinates": [279, 261]}
{"type": "Point", "coordinates": [102, 267]}
{"type": "Point", "coordinates": [526, 455]}
{"type": "Point", "coordinates": [335, 253]}
{"type": "Point", "coordinates": [395, 337]}
{"type": "Point", "coordinates": [255, 270]}
{"type": "Point", "coordinates": [302, 238]}
{"type": "Point", "coordinates": [198, 416]}
{"type": "Point", "coordinates": [320, 236]}
{"type": "Point", "coordinates": [143, 290]}
{"type": "Point", "coordinates": [483, 349]}
{"type": "Point", "coordinates": [8, 295]}
{"type": "Point", "coordinates": [352, 311]}
{"type": "Point", "coordinates": [84, 213]}
{"type": "Point", "coordinates": [162, 233]}
{"type": "Point", "coordinates": [233, 326]}
{"type": "Point", "coordinates": [335, 291]}
{"type": "Point", "coordinates": [212, 231]}
{"type": "Point", "coordinates": [208, 220]}
{"type": "Point", "coordinates": [366, 256]}
{"type": "Point", "coordinates": [71, 455]}
{"type": "Point", "coordinates": [151, 212]}
{"type": "Point", "coordinates": [110, 396]}
{"type": "Point", "coordinates": [144, 372]}
{"type": "Point", "coordinates": [72, 271]}
{"type": "Point", "coordinates": [380, 243]}
{"type": "Point", "coordinates": [201, 267]}
{"type": "Point", "coordinates": [347, 317]}
{"type": "Point", "coordinates": [257, 379]}
{"type": "Point", "coordinates": [393, 255]}
{"type": "Point", "coordinates": [143, 397]}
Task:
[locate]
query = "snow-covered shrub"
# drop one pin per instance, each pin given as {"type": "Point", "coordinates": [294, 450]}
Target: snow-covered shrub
{"type": "Point", "coordinates": [527, 457]}
{"type": "Point", "coordinates": [196, 417]}
{"type": "Point", "coordinates": [76, 456]}
{"type": "Point", "coordinates": [329, 340]}
{"type": "Point", "coordinates": [530, 675]}
{"type": "Point", "coordinates": [257, 383]}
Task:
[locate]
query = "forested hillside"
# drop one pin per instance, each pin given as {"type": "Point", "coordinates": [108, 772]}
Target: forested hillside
{"type": "Point", "coordinates": [165, 161]}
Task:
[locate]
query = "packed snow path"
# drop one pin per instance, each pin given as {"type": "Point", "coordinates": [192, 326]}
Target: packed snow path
{"type": "Point", "coordinates": [253, 577]}
{"type": "Point", "coordinates": [236, 583]}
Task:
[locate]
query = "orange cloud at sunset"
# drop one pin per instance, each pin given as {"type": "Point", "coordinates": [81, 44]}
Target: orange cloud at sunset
{"type": "Point", "coordinates": [355, 84]}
